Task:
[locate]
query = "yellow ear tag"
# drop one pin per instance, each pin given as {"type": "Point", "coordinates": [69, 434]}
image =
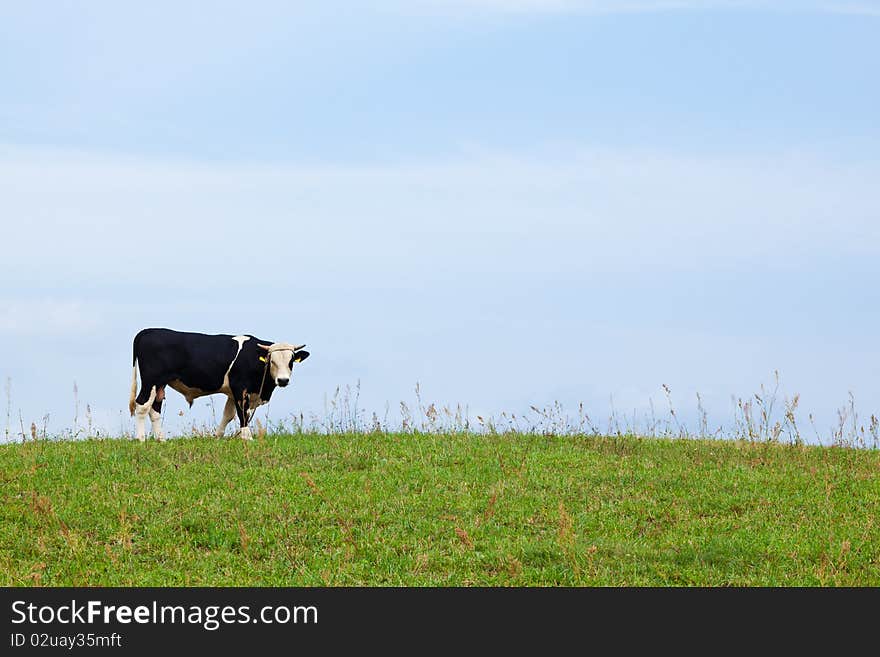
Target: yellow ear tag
{"type": "Point", "coordinates": [262, 359]}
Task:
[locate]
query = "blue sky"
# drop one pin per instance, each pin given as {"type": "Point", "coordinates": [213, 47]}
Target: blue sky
{"type": "Point", "coordinates": [510, 202]}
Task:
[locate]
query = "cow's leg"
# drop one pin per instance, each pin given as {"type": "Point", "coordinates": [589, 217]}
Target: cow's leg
{"type": "Point", "coordinates": [228, 414]}
{"type": "Point", "coordinates": [241, 409]}
{"type": "Point", "coordinates": [142, 405]}
{"type": "Point", "coordinates": [156, 414]}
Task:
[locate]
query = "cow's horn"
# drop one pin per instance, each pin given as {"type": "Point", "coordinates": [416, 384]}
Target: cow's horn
{"type": "Point", "coordinates": [263, 346]}
{"type": "Point", "coordinates": [298, 347]}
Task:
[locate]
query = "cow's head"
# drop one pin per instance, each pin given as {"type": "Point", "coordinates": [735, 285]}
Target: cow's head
{"type": "Point", "coordinates": [280, 358]}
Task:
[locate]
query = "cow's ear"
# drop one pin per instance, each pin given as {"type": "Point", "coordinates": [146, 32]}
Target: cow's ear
{"type": "Point", "coordinates": [300, 356]}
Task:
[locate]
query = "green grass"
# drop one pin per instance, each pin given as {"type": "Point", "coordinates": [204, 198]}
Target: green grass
{"type": "Point", "coordinates": [437, 510]}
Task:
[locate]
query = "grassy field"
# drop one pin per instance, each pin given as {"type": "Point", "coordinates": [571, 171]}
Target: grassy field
{"type": "Point", "coordinates": [437, 510]}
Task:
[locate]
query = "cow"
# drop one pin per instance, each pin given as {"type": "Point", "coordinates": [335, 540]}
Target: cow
{"type": "Point", "coordinates": [244, 368]}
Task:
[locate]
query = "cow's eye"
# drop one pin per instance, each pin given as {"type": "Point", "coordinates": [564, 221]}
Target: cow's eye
{"type": "Point", "coordinates": [291, 364]}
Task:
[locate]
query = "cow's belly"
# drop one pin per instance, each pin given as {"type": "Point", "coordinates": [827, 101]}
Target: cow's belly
{"type": "Point", "coordinates": [190, 393]}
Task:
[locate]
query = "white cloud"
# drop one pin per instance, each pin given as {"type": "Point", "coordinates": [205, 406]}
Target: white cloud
{"type": "Point", "coordinates": [638, 6]}
{"type": "Point", "coordinates": [47, 317]}
{"type": "Point", "coordinates": [858, 9]}
{"type": "Point", "coordinates": [580, 212]}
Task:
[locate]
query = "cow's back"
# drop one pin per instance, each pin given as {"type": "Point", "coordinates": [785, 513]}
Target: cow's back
{"type": "Point", "coordinates": [198, 360]}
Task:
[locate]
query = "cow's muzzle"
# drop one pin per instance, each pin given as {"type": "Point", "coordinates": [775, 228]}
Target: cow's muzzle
{"type": "Point", "coordinates": [282, 382]}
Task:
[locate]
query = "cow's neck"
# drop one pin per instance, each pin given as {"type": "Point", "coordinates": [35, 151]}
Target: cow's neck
{"type": "Point", "coordinates": [267, 385]}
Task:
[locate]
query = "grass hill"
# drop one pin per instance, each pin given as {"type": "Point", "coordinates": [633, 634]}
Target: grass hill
{"type": "Point", "coordinates": [438, 509]}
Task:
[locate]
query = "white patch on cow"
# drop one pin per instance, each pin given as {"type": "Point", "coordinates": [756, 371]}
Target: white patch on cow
{"type": "Point", "coordinates": [246, 433]}
{"type": "Point", "coordinates": [240, 339]}
{"type": "Point", "coordinates": [140, 416]}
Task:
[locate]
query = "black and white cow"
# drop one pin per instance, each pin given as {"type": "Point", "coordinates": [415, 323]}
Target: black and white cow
{"type": "Point", "coordinates": [242, 367]}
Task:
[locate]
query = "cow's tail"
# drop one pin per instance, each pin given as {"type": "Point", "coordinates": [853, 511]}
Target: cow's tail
{"type": "Point", "coordinates": [134, 388]}
{"type": "Point", "coordinates": [134, 375]}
